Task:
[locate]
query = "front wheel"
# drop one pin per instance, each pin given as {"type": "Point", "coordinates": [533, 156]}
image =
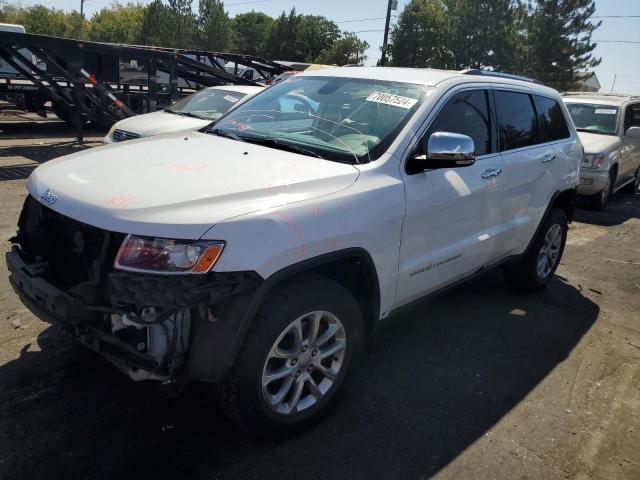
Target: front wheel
{"type": "Point", "coordinates": [599, 200]}
{"type": "Point", "coordinates": [536, 269]}
{"type": "Point", "coordinates": [296, 358]}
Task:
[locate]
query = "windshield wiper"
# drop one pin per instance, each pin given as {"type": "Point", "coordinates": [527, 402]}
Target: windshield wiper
{"type": "Point", "coordinates": [222, 133]}
{"type": "Point", "coordinates": [274, 143]}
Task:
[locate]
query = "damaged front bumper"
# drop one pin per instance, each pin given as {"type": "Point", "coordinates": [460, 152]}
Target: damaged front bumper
{"type": "Point", "coordinates": [145, 323]}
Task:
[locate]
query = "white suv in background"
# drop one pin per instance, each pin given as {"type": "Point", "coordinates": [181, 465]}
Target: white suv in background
{"type": "Point", "coordinates": [609, 127]}
{"type": "Point", "coordinates": [261, 253]}
{"type": "Point", "coordinates": [189, 113]}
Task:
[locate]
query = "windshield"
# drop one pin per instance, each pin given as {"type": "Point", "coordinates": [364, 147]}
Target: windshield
{"type": "Point", "coordinates": [208, 104]}
{"type": "Point", "coordinates": [341, 119]}
{"type": "Point", "coordinates": [594, 118]}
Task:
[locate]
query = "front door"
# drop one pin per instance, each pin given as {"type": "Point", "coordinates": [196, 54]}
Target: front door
{"type": "Point", "coordinates": [451, 226]}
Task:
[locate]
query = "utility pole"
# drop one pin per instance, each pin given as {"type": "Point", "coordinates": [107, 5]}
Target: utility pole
{"type": "Point", "coordinates": [391, 5]}
{"type": "Point", "coordinates": [82, 8]}
{"type": "Point", "coordinates": [615, 76]}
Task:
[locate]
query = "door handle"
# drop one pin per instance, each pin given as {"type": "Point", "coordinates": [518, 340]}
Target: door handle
{"type": "Point", "coordinates": [548, 158]}
{"type": "Point", "coordinates": [491, 172]}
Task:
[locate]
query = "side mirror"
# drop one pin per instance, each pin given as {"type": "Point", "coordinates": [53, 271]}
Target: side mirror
{"type": "Point", "coordinates": [446, 150]}
{"type": "Point", "coordinates": [633, 133]}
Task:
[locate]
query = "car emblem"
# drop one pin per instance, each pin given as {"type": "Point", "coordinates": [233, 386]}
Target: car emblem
{"type": "Point", "coordinates": [48, 197]}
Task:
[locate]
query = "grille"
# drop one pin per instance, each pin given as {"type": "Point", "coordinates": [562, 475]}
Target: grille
{"type": "Point", "coordinates": [74, 251]}
{"type": "Point", "coordinates": [121, 135]}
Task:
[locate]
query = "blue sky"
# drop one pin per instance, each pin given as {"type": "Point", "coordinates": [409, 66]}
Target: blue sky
{"type": "Point", "coordinates": [617, 58]}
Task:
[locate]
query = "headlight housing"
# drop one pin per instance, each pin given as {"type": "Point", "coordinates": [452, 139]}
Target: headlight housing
{"type": "Point", "coordinates": [592, 160]}
{"type": "Point", "coordinates": [167, 256]}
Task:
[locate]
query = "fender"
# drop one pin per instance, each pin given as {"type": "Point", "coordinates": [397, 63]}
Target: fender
{"type": "Point", "coordinates": [551, 204]}
{"type": "Point", "coordinates": [217, 340]}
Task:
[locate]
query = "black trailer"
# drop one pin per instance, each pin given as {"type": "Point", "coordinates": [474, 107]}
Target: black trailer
{"type": "Point", "coordinates": [105, 82]}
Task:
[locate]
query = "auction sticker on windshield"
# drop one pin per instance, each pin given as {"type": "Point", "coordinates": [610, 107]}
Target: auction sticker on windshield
{"type": "Point", "coordinates": [231, 99]}
{"type": "Point", "coordinates": [606, 111]}
{"type": "Point", "coordinates": [391, 99]}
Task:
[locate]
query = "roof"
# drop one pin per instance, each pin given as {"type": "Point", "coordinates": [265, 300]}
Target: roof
{"type": "Point", "coordinates": [590, 79]}
{"type": "Point", "coordinates": [598, 97]}
{"type": "Point", "coordinates": [428, 76]}
{"type": "Point", "coordinates": [425, 76]}
{"type": "Point", "coordinates": [246, 89]}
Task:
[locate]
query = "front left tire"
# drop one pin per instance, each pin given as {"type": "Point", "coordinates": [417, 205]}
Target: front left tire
{"type": "Point", "coordinates": [296, 358]}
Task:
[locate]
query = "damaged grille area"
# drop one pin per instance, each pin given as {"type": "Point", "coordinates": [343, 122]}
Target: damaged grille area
{"type": "Point", "coordinates": [62, 269]}
{"type": "Point", "coordinates": [74, 256]}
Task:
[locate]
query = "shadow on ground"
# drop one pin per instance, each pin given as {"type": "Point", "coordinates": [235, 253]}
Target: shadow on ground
{"type": "Point", "coordinates": [622, 207]}
{"type": "Point", "coordinates": [429, 385]}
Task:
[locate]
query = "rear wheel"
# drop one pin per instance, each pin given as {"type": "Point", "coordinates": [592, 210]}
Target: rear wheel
{"type": "Point", "coordinates": [295, 360]}
{"type": "Point", "coordinates": [541, 261]}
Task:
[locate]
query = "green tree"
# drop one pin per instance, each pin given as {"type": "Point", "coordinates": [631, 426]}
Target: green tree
{"type": "Point", "coordinates": [419, 38]}
{"type": "Point", "coordinates": [347, 50]}
{"type": "Point", "coordinates": [482, 33]}
{"type": "Point", "coordinates": [558, 41]}
{"type": "Point", "coordinates": [215, 26]}
{"type": "Point", "coordinates": [252, 31]}
{"type": "Point", "coordinates": [301, 38]}
{"type": "Point", "coordinates": [117, 23]}
{"type": "Point", "coordinates": [173, 25]}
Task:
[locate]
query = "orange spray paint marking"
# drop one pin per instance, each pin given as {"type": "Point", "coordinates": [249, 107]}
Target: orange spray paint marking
{"type": "Point", "coordinates": [122, 202]}
{"type": "Point", "coordinates": [295, 228]}
{"type": "Point", "coordinates": [342, 205]}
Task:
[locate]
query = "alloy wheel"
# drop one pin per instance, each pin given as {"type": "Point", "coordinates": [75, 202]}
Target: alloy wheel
{"type": "Point", "coordinates": [304, 362]}
{"type": "Point", "coordinates": [550, 251]}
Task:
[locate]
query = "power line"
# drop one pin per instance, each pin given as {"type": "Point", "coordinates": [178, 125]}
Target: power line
{"type": "Point", "coordinates": [246, 3]}
{"type": "Point", "coordinates": [363, 19]}
{"type": "Point", "coordinates": [617, 41]}
{"type": "Point", "coordinates": [616, 16]}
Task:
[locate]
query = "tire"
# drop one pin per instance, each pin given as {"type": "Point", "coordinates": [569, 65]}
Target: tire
{"type": "Point", "coordinates": [528, 274]}
{"type": "Point", "coordinates": [599, 201]}
{"type": "Point", "coordinates": [634, 186]}
{"type": "Point", "coordinates": [252, 400]}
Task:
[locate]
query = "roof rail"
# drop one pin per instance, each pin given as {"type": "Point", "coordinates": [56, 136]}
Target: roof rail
{"type": "Point", "coordinates": [489, 73]}
{"type": "Point", "coordinates": [600, 94]}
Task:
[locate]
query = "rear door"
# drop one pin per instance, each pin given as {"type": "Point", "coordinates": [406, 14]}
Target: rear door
{"type": "Point", "coordinates": [532, 168]}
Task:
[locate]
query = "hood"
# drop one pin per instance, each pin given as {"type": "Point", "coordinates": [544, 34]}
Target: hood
{"type": "Point", "coordinates": [159, 122]}
{"type": "Point", "coordinates": [598, 143]}
{"type": "Point", "coordinates": [180, 185]}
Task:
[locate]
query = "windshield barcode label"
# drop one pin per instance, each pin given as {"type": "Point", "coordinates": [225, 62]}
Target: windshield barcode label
{"type": "Point", "coordinates": [390, 99]}
{"type": "Point", "coordinates": [231, 99]}
{"type": "Point", "coordinates": [606, 111]}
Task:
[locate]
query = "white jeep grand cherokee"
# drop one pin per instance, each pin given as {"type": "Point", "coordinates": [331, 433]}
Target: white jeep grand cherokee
{"type": "Point", "coordinates": [260, 252]}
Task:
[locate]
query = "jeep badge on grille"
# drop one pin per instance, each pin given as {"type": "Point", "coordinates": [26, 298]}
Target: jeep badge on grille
{"type": "Point", "coordinates": [48, 197]}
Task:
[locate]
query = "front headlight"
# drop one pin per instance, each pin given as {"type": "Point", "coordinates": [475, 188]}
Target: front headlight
{"type": "Point", "coordinates": [168, 256]}
{"type": "Point", "coordinates": [592, 160]}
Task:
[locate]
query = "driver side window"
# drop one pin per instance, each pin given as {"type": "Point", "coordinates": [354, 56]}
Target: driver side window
{"type": "Point", "coordinates": [466, 113]}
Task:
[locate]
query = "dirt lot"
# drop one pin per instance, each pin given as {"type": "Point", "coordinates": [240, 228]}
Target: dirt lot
{"type": "Point", "coordinates": [480, 383]}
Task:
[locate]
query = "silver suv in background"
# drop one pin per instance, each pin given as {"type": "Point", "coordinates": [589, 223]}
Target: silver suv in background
{"type": "Point", "coordinates": [609, 128]}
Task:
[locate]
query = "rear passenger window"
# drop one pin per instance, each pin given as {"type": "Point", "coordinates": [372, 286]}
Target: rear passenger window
{"type": "Point", "coordinates": [466, 113]}
{"type": "Point", "coordinates": [517, 119]}
{"type": "Point", "coordinates": [551, 121]}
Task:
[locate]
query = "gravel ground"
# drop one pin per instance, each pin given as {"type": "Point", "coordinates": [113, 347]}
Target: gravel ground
{"type": "Point", "coordinates": [483, 382]}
